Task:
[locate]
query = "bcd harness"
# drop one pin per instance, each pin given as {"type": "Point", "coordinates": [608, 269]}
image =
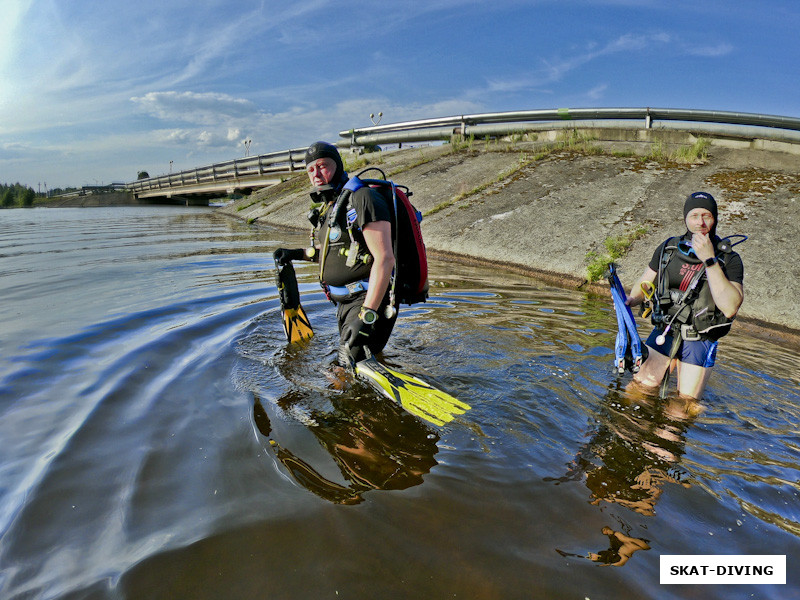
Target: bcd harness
{"type": "Point", "coordinates": [690, 303]}
{"type": "Point", "coordinates": [409, 279]}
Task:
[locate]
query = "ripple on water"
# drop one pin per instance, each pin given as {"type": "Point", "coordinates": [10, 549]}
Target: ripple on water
{"type": "Point", "coordinates": [172, 445]}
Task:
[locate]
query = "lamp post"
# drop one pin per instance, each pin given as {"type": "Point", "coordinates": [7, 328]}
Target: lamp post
{"type": "Point", "coordinates": [247, 147]}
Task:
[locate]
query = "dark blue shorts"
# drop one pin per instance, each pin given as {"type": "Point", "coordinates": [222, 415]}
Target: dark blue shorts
{"type": "Point", "coordinates": [702, 353]}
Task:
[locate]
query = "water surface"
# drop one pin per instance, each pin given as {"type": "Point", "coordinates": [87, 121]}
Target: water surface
{"type": "Point", "coordinates": [158, 439]}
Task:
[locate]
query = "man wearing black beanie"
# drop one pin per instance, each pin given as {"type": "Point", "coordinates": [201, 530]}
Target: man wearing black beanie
{"type": "Point", "coordinates": [698, 289]}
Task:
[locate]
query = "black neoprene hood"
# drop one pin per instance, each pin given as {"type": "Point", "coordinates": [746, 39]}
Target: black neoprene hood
{"type": "Point", "coordinates": [319, 150]}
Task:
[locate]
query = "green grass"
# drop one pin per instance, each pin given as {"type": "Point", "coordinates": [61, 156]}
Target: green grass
{"type": "Point", "coordinates": [361, 161]}
{"type": "Point", "coordinates": [697, 152]}
{"type": "Point", "coordinates": [459, 144]}
{"type": "Point", "coordinates": [246, 206]}
{"type": "Point", "coordinates": [616, 247]}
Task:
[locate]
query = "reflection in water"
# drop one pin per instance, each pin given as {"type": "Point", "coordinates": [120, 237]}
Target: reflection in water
{"type": "Point", "coordinates": [633, 451]}
{"type": "Point", "coordinates": [621, 547]}
{"type": "Point", "coordinates": [376, 446]}
{"type": "Point", "coordinates": [373, 443]}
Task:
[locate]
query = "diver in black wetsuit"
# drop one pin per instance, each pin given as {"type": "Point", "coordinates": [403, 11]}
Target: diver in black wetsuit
{"type": "Point", "coordinates": [354, 248]}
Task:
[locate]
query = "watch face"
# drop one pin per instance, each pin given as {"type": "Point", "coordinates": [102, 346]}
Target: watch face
{"type": "Point", "coordinates": [369, 316]}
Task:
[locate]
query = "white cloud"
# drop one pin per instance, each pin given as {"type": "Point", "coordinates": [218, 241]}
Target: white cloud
{"type": "Point", "coordinates": [556, 68]}
{"type": "Point", "coordinates": [15, 151]}
{"type": "Point", "coordinates": [597, 92]}
{"type": "Point", "coordinates": [192, 107]}
{"type": "Point", "coordinates": [171, 136]}
{"type": "Point", "coordinates": [219, 121]}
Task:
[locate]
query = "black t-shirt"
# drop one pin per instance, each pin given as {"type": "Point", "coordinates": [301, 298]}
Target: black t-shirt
{"type": "Point", "coordinates": [366, 205]}
{"type": "Point", "coordinates": [680, 272]}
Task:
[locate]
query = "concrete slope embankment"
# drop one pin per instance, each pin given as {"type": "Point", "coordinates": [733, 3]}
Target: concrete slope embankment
{"type": "Point", "coordinates": [543, 210]}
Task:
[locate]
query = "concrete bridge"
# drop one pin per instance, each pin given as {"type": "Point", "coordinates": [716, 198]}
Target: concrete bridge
{"type": "Point", "coordinates": [241, 175]}
{"type": "Point", "coordinates": [197, 186]}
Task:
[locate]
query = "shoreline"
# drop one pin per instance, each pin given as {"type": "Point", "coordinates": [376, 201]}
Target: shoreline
{"type": "Point", "coordinates": [759, 329]}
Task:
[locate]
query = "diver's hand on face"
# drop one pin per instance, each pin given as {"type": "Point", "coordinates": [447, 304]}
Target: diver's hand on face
{"type": "Point", "coordinates": [702, 246]}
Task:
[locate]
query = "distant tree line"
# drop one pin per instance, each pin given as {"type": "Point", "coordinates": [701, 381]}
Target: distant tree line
{"type": "Point", "coordinates": [16, 195]}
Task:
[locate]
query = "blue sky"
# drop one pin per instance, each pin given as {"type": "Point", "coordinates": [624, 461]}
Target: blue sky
{"type": "Point", "coordinates": [93, 92]}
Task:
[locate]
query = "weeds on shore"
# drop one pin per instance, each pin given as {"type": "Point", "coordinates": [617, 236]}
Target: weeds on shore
{"type": "Point", "coordinates": [478, 189]}
{"type": "Point", "coordinates": [616, 247]}
{"type": "Point", "coordinates": [419, 162]}
{"type": "Point", "coordinates": [362, 161]}
{"type": "Point", "coordinates": [697, 152]}
{"type": "Point", "coordinates": [577, 140]}
{"type": "Point", "coordinates": [458, 143]}
{"type": "Point", "coordinates": [582, 142]}
{"type": "Point", "coordinates": [693, 154]}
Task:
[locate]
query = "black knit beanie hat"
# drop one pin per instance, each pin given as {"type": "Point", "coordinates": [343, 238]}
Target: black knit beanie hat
{"type": "Point", "coordinates": [701, 200]}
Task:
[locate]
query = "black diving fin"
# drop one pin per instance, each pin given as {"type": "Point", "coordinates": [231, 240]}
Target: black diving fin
{"type": "Point", "coordinates": [295, 322]}
{"type": "Point", "coordinates": [415, 395]}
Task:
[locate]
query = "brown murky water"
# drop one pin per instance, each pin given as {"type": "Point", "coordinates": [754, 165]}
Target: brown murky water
{"type": "Point", "coordinates": [159, 439]}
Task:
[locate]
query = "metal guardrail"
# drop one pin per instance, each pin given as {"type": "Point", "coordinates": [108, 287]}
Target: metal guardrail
{"type": "Point", "coordinates": [241, 172]}
{"type": "Point", "coordinates": [267, 169]}
{"type": "Point", "coordinates": [735, 124]}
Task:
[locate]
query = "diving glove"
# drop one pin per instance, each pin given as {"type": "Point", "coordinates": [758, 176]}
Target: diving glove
{"type": "Point", "coordinates": [356, 334]}
{"type": "Point", "coordinates": [283, 256]}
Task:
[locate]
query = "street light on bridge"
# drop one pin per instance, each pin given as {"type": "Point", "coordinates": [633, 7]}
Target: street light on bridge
{"type": "Point", "coordinates": [247, 147]}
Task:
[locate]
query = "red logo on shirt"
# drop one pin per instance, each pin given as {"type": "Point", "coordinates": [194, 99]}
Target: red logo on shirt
{"type": "Point", "coordinates": [687, 273]}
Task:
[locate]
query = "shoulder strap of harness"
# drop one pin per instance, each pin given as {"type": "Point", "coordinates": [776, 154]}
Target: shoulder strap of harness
{"type": "Point", "coordinates": [353, 184]}
{"type": "Point", "coordinates": [662, 283]}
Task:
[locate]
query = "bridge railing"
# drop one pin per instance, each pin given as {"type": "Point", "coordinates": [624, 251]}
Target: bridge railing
{"type": "Point", "coordinates": [239, 170]}
{"type": "Point", "coordinates": [256, 170]}
{"type": "Point", "coordinates": [724, 123]}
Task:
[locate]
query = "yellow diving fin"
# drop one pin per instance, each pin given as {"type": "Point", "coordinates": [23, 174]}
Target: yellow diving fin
{"type": "Point", "coordinates": [295, 322]}
{"type": "Point", "coordinates": [416, 396]}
